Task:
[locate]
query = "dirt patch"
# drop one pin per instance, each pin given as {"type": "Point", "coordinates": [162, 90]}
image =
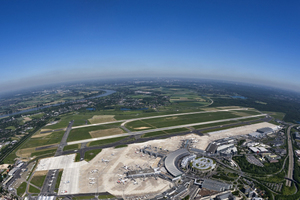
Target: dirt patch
{"type": "Point", "coordinates": [106, 132]}
{"type": "Point", "coordinates": [38, 135]}
{"type": "Point", "coordinates": [26, 119]}
{"type": "Point", "coordinates": [142, 128]}
{"type": "Point", "coordinates": [25, 153]}
{"type": "Point", "coordinates": [101, 118]}
{"type": "Point", "coordinates": [171, 118]}
{"type": "Point", "coordinates": [40, 173]}
{"type": "Point", "coordinates": [4, 166]}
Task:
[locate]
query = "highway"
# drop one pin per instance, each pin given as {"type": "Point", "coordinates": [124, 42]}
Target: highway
{"type": "Point", "coordinates": [162, 129]}
{"type": "Point", "coordinates": [158, 116]}
{"type": "Point", "coordinates": [291, 157]}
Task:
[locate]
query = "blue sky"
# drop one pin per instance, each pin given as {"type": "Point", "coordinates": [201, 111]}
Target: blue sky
{"type": "Point", "coordinates": [250, 41]}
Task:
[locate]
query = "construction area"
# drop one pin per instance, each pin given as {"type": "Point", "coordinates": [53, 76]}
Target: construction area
{"type": "Point", "coordinates": [129, 171]}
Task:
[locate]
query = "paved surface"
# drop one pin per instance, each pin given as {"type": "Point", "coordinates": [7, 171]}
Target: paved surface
{"type": "Point", "coordinates": [52, 175]}
{"type": "Point", "coordinates": [63, 142]}
{"type": "Point", "coordinates": [161, 129]}
{"type": "Point", "coordinates": [159, 116]}
{"type": "Point", "coordinates": [291, 158]}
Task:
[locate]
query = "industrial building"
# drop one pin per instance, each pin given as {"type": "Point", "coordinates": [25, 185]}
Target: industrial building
{"type": "Point", "coordinates": [258, 149]}
{"type": "Point", "coordinates": [297, 136]}
{"type": "Point", "coordinates": [211, 148]}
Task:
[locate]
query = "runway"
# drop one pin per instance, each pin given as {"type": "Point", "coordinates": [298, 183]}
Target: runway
{"type": "Point", "coordinates": [162, 129]}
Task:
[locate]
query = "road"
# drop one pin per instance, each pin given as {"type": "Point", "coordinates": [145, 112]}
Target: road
{"type": "Point", "coordinates": [63, 141]}
{"type": "Point", "coordinates": [162, 129]}
{"type": "Point", "coordinates": [52, 175]}
{"type": "Point", "coordinates": [291, 157]}
{"type": "Point", "coordinates": [152, 117]}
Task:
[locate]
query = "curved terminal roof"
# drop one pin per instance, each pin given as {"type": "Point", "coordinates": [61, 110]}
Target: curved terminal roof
{"type": "Point", "coordinates": [172, 158]}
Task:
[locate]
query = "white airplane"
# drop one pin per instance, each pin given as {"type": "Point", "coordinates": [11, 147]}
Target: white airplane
{"type": "Point", "coordinates": [93, 182]}
{"type": "Point", "coordinates": [121, 181]}
{"type": "Point", "coordinates": [143, 155]}
{"type": "Point", "coordinates": [137, 152]}
{"type": "Point", "coordinates": [112, 154]}
{"type": "Point", "coordinates": [135, 183]}
{"type": "Point", "coordinates": [126, 167]}
{"type": "Point", "coordinates": [94, 171]}
{"type": "Point", "coordinates": [103, 160]}
{"type": "Point", "coordinates": [120, 175]}
{"type": "Point", "coordinates": [91, 178]}
{"type": "Point", "coordinates": [66, 182]}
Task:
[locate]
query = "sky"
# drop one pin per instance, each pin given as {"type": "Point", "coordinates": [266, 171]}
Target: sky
{"type": "Point", "coordinates": [50, 41]}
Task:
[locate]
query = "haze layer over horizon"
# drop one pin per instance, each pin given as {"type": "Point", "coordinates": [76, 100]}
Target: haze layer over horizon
{"type": "Point", "coordinates": [45, 42]}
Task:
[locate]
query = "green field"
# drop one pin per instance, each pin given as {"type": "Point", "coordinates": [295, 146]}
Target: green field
{"type": "Point", "coordinates": [33, 189]}
{"type": "Point", "coordinates": [21, 189]}
{"type": "Point", "coordinates": [37, 116]}
{"type": "Point", "coordinates": [179, 120]}
{"type": "Point", "coordinates": [10, 159]}
{"type": "Point", "coordinates": [107, 141]}
{"type": "Point", "coordinates": [11, 128]}
{"type": "Point", "coordinates": [121, 146]}
{"type": "Point", "coordinates": [58, 179]}
{"type": "Point", "coordinates": [83, 133]}
{"type": "Point", "coordinates": [89, 155]}
{"type": "Point", "coordinates": [53, 138]}
{"type": "Point", "coordinates": [157, 133]}
{"type": "Point", "coordinates": [46, 152]}
{"type": "Point", "coordinates": [224, 128]}
{"type": "Point", "coordinates": [77, 158]}
{"type": "Point", "coordinates": [38, 180]}
{"type": "Point", "coordinates": [71, 147]}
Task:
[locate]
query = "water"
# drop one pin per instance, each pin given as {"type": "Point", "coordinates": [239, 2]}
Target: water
{"type": "Point", "coordinates": [90, 109]}
{"type": "Point", "coordinates": [108, 92]}
{"type": "Point", "coordinates": [238, 97]}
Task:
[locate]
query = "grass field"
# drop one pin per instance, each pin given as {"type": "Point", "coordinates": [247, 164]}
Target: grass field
{"type": "Point", "coordinates": [11, 128]}
{"type": "Point", "coordinates": [21, 189]}
{"type": "Point", "coordinates": [77, 158]}
{"type": "Point", "coordinates": [50, 152]}
{"type": "Point", "coordinates": [107, 141]}
{"type": "Point", "coordinates": [71, 147]}
{"type": "Point", "coordinates": [180, 120]}
{"type": "Point", "coordinates": [157, 133]}
{"type": "Point", "coordinates": [33, 189]}
{"type": "Point", "coordinates": [10, 159]}
{"type": "Point", "coordinates": [225, 123]}
{"type": "Point", "coordinates": [121, 146]}
{"type": "Point", "coordinates": [38, 180]}
{"type": "Point", "coordinates": [58, 179]}
{"type": "Point", "coordinates": [37, 116]}
{"type": "Point", "coordinates": [53, 138]}
{"type": "Point", "coordinates": [80, 118]}
{"type": "Point", "coordinates": [83, 133]}
{"type": "Point", "coordinates": [89, 155]}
